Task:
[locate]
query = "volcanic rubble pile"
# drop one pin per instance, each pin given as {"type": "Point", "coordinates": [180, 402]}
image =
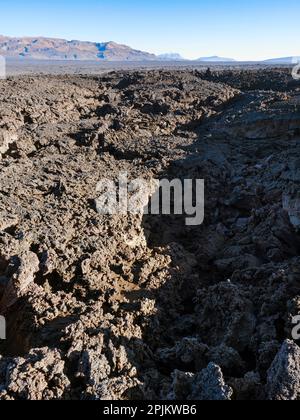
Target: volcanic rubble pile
{"type": "Point", "coordinates": [142, 306]}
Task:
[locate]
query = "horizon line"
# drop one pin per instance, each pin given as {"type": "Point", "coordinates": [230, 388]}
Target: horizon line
{"type": "Point", "coordinates": [204, 57]}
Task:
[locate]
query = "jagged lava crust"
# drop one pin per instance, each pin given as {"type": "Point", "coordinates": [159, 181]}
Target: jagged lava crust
{"type": "Point", "coordinates": [145, 307]}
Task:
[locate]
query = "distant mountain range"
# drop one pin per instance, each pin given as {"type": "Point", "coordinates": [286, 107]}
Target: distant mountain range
{"type": "Point", "coordinates": [284, 60]}
{"type": "Point", "coordinates": [60, 49]}
{"type": "Point", "coordinates": [40, 48]}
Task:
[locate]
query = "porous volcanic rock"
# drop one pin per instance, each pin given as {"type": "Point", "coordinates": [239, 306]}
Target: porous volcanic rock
{"type": "Point", "coordinates": [136, 306]}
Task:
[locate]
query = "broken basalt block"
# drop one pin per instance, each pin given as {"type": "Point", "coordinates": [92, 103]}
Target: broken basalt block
{"type": "Point", "coordinates": [284, 374]}
{"type": "Point", "coordinates": [209, 385]}
{"type": "Point", "coordinates": [24, 268]}
{"type": "Point", "coordinates": [38, 376]}
{"type": "Point", "coordinates": [6, 138]}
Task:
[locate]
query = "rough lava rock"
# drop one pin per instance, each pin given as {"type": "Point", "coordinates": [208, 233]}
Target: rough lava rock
{"type": "Point", "coordinates": [284, 374]}
{"type": "Point", "coordinates": [136, 306]}
{"type": "Point", "coordinates": [209, 385]}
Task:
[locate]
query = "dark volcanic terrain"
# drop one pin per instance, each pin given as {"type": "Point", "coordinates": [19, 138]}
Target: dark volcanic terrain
{"type": "Point", "coordinates": [145, 307]}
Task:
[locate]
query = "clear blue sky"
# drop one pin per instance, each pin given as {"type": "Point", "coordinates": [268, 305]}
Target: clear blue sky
{"type": "Point", "coordinates": [239, 29]}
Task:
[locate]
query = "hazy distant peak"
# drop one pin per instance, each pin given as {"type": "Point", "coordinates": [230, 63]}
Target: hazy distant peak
{"type": "Point", "coordinates": [216, 58]}
{"type": "Point", "coordinates": [171, 57]}
{"type": "Point", "coordinates": [284, 60]}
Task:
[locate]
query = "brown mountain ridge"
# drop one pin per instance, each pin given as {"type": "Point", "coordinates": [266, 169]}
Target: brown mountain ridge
{"type": "Point", "coordinates": [60, 49]}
